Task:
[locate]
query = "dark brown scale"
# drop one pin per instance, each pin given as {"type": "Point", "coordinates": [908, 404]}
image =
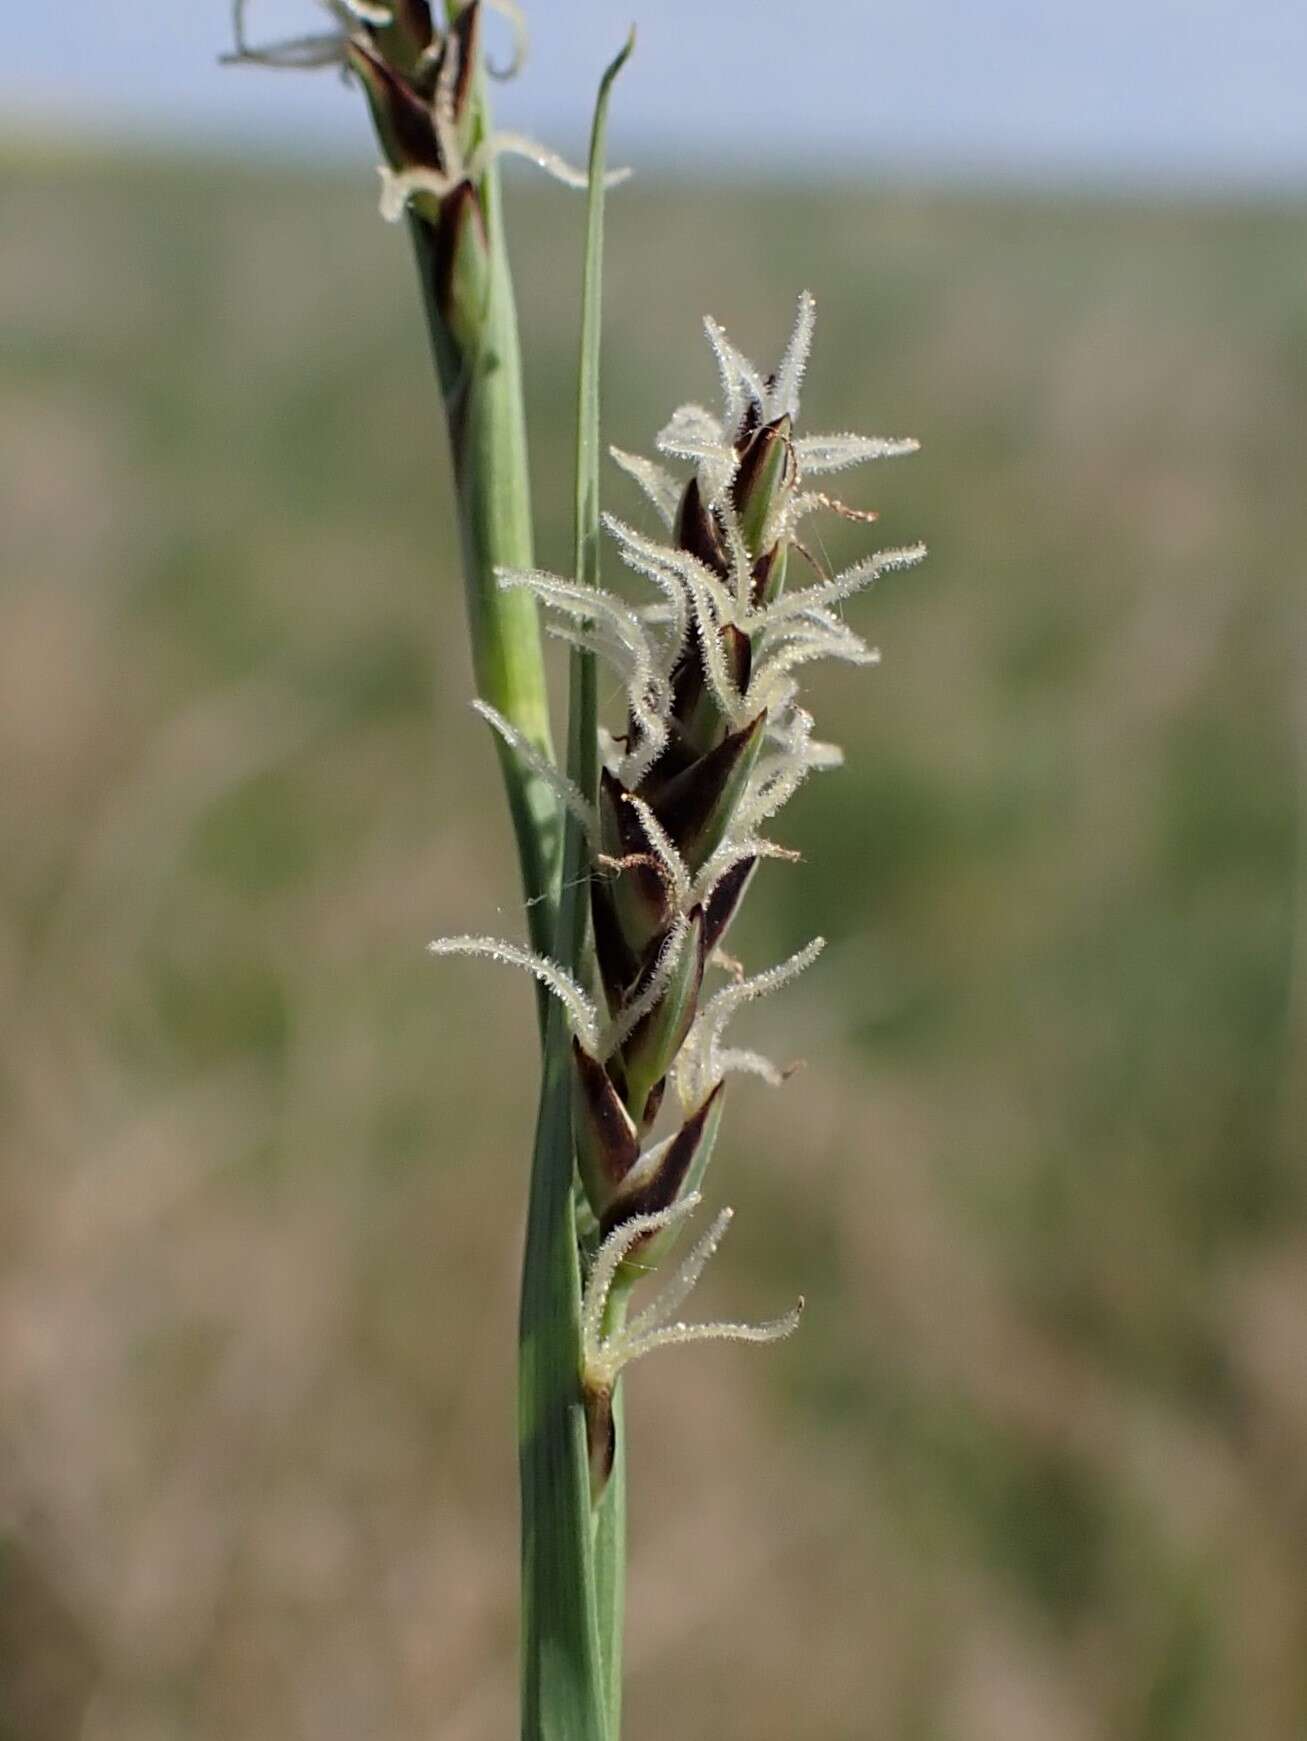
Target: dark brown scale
{"type": "Point", "coordinates": [697, 722]}
{"type": "Point", "coordinates": [458, 207]}
{"type": "Point", "coordinates": [698, 531]}
{"type": "Point", "coordinates": [643, 899]}
{"type": "Point", "coordinates": [653, 1105]}
{"type": "Point", "coordinates": [686, 804]}
{"type": "Point", "coordinates": [678, 754]}
{"type": "Point", "coordinates": [466, 32]}
{"type": "Point", "coordinates": [400, 112]}
{"type": "Point", "coordinates": [601, 1439]}
{"type": "Point", "coordinates": [601, 1107]}
{"type": "Point", "coordinates": [723, 902]}
{"type": "Point", "coordinates": [618, 966]}
{"type": "Point", "coordinates": [662, 1190]}
{"type": "Point", "coordinates": [413, 21]}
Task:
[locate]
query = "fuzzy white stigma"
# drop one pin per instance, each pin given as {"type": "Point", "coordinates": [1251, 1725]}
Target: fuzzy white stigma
{"type": "Point", "coordinates": [603, 1355]}
{"type": "Point", "coordinates": [581, 1012]}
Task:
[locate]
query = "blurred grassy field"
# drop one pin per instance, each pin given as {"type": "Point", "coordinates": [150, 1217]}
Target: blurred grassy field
{"type": "Point", "coordinates": [1036, 1468]}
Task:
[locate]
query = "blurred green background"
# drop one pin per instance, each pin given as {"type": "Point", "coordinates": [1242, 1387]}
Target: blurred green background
{"type": "Point", "coordinates": [1036, 1467]}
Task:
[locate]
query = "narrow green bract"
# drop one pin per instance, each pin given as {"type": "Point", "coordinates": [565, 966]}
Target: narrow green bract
{"type": "Point", "coordinates": [570, 1652]}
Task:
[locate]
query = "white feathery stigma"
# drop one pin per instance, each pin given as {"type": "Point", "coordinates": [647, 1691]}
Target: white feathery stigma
{"type": "Point", "coordinates": [656, 481]}
{"type": "Point", "coordinates": [581, 1012]}
{"type": "Point", "coordinates": [698, 1065]}
{"type": "Point", "coordinates": [603, 1356]}
{"type": "Point", "coordinates": [544, 767]}
{"type": "Point", "coordinates": [675, 871]}
{"type": "Point", "coordinates": [633, 1013]}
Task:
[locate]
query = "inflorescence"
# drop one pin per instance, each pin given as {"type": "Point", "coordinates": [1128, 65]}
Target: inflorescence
{"type": "Point", "coordinates": [715, 743]}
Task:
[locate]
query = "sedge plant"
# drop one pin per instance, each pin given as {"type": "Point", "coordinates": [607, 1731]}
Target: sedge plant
{"type": "Point", "coordinates": [636, 849]}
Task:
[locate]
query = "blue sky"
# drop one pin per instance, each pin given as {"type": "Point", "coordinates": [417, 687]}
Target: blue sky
{"type": "Point", "coordinates": [1200, 92]}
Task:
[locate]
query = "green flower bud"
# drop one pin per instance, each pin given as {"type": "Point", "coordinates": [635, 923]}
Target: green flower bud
{"type": "Point", "coordinates": [767, 474]}
{"type": "Point", "coordinates": [650, 1048]}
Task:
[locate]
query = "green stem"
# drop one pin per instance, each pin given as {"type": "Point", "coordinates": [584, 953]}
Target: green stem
{"type": "Point", "coordinates": [610, 1555]}
{"type": "Point", "coordinates": [570, 1652]}
{"type": "Point", "coordinates": [563, 1691]}
{"type": "Point", "coordinates": [563, 1696]}
{"type": "Point", "coordinates": [482, 387]}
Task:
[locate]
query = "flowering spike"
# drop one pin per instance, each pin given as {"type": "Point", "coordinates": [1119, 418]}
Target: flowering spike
{"type": "Point", "coordinates": [715, 741]}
